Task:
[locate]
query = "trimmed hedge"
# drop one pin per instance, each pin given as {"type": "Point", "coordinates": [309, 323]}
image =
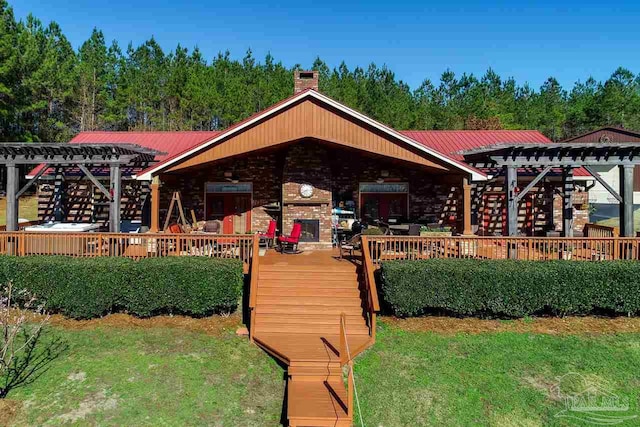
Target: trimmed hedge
{"type": "Point", "coordinates": [84, 288]}
{"type": "Point", "coordinates": [511, 288]}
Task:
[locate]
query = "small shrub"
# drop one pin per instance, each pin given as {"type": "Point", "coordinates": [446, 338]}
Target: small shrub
{"type": "Point", "coordinates": [511, 288]}
{"type": "Point", "coordinates": [24, 356]}
{"type": "Point", "coordinates": [372, 231]}
{"type": "Point", "coordinates": [91, 287]}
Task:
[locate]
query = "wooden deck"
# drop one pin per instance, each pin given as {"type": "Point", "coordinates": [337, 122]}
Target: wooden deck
{"type": "Point", "coordinates": [297, 318]}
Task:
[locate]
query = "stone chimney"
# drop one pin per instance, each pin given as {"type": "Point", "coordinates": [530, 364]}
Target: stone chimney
{"type": "Point", "coordinates": [303, 80]}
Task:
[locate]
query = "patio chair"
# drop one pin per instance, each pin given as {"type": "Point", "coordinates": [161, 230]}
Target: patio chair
{"type": "Point", "coordinates": [414, 230]}
{"type": "Point", "coordinates": [289, 244]}
{"type": "Point", "coordinates": [270, 236]}
{"type": "Point", "coordinates": [350, 245]}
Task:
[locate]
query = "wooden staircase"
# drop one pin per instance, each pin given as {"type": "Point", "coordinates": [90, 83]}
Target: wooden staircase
{"type": "Point", "coordinates": [297, 306]}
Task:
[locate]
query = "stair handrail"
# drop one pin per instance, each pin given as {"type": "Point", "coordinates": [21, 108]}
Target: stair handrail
{"type": "Point", "coordinates": [370, 282]}
{"type": "Point", "coordinates": [253, 286]}
{"type": "Point", "coordinates": [347, 359]}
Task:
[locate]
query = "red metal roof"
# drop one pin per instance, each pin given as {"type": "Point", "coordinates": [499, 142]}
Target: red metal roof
{"type": "Point", "coordinates": [170, 143]}
{"type": "Point", "coordinates": [453, 142]}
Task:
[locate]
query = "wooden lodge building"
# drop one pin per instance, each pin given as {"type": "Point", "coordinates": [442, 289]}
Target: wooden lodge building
{"type": "Point", "coordinates": [305, 155]}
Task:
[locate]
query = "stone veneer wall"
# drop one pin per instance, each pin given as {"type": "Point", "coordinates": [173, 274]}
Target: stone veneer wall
{"type": "Point", "coordinates": [263, 170]}
{"type": "Point", "coordinates": [580, 210]}
{"type": "Point", "coordinates": [307, 163]}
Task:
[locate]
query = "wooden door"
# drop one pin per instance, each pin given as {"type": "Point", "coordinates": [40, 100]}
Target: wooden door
{"type": "Point", "coordinates": [234, 210]}
{"type": "Point", "coordinates": [383, 206]}
{"type": "Point", "coordinates": [241, 215]}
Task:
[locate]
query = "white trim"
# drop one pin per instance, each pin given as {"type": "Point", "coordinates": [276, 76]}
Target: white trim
{"type": "Point", "coordinates": [475, 174]}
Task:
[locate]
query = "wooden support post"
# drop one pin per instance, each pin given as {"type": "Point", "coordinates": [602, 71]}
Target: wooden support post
{"type": "Point", "coordinates": [58, 195]}
{"type": "Point", "coordinates": [115, 183]}
{"type": "Point", "coordinates": [466, 206]}
{"type": "Point", "coordinates": [511, 183]}
{"type": "Point", "coordinates": [13, 179]}
{"type": "Point", "coordinates": [155, 204]}
{"type": "Point", "coordinates": [567, 202]}
{"type": "Point", "coordinates": [626, 207]}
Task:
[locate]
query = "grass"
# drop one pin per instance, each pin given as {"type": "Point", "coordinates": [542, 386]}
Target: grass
{"type": "Point", "coordinates": [496, 379]}
{"type": "Point", "coordinates": [27, 208]}
{"type": "Point", "coordinates": [615, 222]}
{"type": "Point", "coordinates": [154, 376]}
{"type": "Point", "coordinates": [189, 372]}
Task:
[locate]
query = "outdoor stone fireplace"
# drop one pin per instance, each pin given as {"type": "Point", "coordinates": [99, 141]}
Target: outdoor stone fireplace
{"type": "Point", "coordinates": [310, 230]}
{"type": "Point", "coordinates": [306, 193]}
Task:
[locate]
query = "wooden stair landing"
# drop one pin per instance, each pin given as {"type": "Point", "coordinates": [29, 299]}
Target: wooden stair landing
{"type": "Point", "coordinates": [297, 319]}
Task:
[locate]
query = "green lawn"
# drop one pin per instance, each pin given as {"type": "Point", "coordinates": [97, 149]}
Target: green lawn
{"type": "Point", "coordinates": [165, 376]}
{"type": "Point", "coordinates": [155, 377]}
{"type": "Point", "coordinates": [496, 379]}
{"type": "Point", "coordinates": [615, 222]}
{"type": "Point", "coordinates": [27, 208]}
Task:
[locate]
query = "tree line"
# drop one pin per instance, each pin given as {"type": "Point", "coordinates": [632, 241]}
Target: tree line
{"type": "Point", "coordinates": [49, 91]}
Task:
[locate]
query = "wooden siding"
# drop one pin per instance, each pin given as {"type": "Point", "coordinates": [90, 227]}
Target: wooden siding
{"type": "Point", "coordinates": [307, 119]}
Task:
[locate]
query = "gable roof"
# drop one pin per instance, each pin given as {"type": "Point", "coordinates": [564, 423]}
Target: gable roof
{"type": "Point", "coordinates": [615, 134]}
{"type": "Point", "coordinates": [310, 94]}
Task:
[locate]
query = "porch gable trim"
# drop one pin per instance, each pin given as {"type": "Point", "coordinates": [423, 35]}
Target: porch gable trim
{"type": "Point", "coordinates": [476, 175]}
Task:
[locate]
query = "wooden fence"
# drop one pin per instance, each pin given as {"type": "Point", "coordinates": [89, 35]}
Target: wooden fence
{"type": "Point", "coordinates": [382, 248]}
{"type": "Point", "coordinates": [127, 245]}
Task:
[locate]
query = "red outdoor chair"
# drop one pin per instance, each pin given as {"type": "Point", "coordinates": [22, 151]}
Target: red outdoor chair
{"type": "Point", "coordinates": [270, 236]}
{"type": "Point", "coordinates": [289, 244]}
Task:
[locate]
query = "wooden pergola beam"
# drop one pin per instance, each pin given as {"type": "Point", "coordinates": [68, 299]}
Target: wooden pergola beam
{"type": "Point", "coordinates": [95, 181]}
{"type": "Point", "coordinates": [533, 183]}
{"type": "Point", "coordinates": [33, 180]}
{"type": "Point", "coordinates": [604, 183]}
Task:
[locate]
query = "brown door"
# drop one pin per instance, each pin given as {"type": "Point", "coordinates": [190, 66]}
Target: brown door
{"type": "Point", "coordinates": [234, 210]}
{"type": "Point", "coordinates": [383, 206]}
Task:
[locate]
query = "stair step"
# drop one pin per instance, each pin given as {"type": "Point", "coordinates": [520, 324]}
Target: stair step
{"type": "Point", "coordinates": [310, 284]}
{"type": "Point", "coordinates": [306, 309]}
{"type": "Point", "coordinates": [317, 319]}
{"type": "Point", "coordinates": [310, 275]}
{"type": "Point", "coordinates": [335, 301]}
{"type": "Point", "coordinates": [308, 329]}
{"type": "Point", "coordinates": [319, 369]}
{"type": "Point", "coordinates": [286, 268]}
{"type": "Point", "coordinates": [314, 403]}
{"type": "Point", "coordinates": [304, 292]}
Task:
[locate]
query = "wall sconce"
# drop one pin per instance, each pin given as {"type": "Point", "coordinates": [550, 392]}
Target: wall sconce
{"type": "Point", "coordinates": [380, 180]}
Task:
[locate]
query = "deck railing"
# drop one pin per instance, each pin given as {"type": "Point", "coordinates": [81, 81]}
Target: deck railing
{"type": "Point", "coordinates": [127, 245]}
{"type": "Point", "coordinates": [384, 248]}
{"type": "Point", "coordinates": [368, 271]}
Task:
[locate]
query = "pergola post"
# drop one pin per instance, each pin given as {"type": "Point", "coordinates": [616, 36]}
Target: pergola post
{"type": "Point", "coordinates": [155, 204]}
{"type": "Point", "coordinates": [511, 184]}
{"type": "Point", "coordinates": [567, 202]}
{"type": "Point", "coordinates": [116, 198]}
{"type": "Point", "coordinates": [58, 194]}
{"type": "Point", "coordinates": [13, 180]}
{"type": "Point", "coordinates": [466, 207]}
{"type": "Point", "coordinates": [626, 207]}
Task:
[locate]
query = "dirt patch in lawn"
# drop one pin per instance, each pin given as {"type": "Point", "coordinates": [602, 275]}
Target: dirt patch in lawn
{"type": "Point", "coordinates": [8, 411]}
{"type": "Point", "coordinates": [540, 325]}
{"type": "Point", "coordinates": [213, 325]}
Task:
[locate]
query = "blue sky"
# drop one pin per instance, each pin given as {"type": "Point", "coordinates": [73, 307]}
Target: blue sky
{"type": "Point", "coordinates": [570, 40]}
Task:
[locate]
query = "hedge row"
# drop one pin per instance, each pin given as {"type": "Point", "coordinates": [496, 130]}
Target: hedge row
{"type": "Point", "coordinates": [510, 288]}
{"type": "Point", "coordinates": [90, 287]}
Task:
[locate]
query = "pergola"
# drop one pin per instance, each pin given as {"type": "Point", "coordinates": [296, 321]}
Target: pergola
{"type": "Point", "coordinates": [82, 156]}
{"type": "Point", "coordinates": [509, 158]}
